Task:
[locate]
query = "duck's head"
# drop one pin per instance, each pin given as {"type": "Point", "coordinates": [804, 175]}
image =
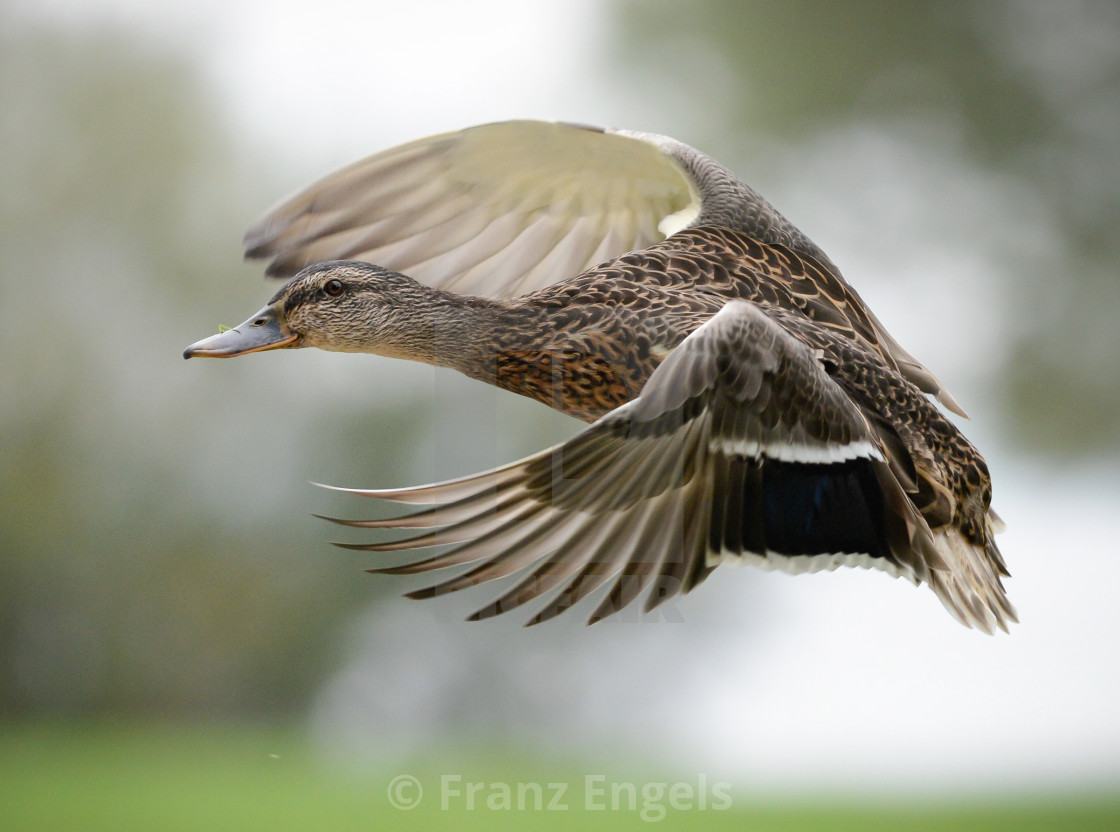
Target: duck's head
{"type": "Point", "coordinates": [343, 305]}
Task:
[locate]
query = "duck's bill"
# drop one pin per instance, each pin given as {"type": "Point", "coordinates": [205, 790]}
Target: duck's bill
{"type": "Point", "coordinates": [266, 330]}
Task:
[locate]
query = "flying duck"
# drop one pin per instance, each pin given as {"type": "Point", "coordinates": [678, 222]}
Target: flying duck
{"type": "Point", "coordinates": [745, 406]}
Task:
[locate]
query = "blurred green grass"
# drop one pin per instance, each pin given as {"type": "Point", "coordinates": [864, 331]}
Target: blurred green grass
{"type": "Point", "coordinates": [85, 776]}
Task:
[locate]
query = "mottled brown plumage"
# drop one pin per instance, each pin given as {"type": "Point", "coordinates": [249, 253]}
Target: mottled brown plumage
{"type": "Point", "coordinates": [746, 405]}
{"type": "Point", "coordinates": [630, 312]}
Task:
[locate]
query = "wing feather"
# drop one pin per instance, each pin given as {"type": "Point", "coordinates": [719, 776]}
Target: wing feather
{"type": "Point", "coordinates": [740, 448]}
{"type": "Point", "coordinates": [605, 190]}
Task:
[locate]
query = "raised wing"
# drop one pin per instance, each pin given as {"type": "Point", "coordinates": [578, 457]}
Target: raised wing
{"type": "Point", "coordinates": [497, 210]}
{"type": "Point", "coordinates": [505, 209]}
{"type": "Point", "coordinates": [740, 448]}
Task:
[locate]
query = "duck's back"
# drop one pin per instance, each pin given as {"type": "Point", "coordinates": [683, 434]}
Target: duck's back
{"type": "Point", "coordinates": [589, 343]}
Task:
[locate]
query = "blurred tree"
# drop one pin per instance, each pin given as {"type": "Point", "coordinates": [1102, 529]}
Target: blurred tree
{"type": "Point", "coordinates": [1034, 89]}
{"type": "Point", "coordinates": [146, 562]}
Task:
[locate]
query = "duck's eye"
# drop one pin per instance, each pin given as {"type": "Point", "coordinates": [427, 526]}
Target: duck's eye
{"type": "Point", "coordinates": [333, 288]}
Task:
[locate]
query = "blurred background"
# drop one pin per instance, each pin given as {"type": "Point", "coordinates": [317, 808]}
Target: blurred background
{"type": "Point", "coordinates": [175, 630]}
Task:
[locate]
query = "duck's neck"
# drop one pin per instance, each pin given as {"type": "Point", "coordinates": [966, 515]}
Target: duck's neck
{"type": "Point", "coordinates": [464, 333]}
{"type": "Point", "coordinates": [514, 346]}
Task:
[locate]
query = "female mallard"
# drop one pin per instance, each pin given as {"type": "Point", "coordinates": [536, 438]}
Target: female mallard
{"type": "Point", "coordinates": [746, 405]}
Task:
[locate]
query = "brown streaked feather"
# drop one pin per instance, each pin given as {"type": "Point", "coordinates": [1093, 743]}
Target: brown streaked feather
{"type": "Point", "coordinates": [662, 488]}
